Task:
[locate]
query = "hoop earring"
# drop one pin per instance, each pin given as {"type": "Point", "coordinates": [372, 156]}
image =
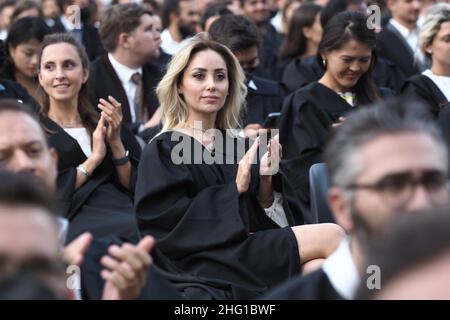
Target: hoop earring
{"type": "Point", "coordinates": [324, 63]}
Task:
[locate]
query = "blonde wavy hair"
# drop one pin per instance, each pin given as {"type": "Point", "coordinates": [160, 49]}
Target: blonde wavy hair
{"type": "Point", "coordinates": [438, 14]}
{"type": "Point", "coordinates": [173, 107]}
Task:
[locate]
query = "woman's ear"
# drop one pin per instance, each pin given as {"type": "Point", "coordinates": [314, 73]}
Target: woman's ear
{"type": "Point", "coordinates": [427, 48]}
{"type": "Point", "coordinates": [307, 32]}
{"type": "Point", "coordinates": [85, 75]}
{"type": "Point", "coordinates": [11, 51]}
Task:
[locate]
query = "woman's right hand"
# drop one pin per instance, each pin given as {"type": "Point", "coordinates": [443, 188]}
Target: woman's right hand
{"type": "Point", "coordinates": [243, 175]}
{"type": "Point", "coordinates": [98, 141]}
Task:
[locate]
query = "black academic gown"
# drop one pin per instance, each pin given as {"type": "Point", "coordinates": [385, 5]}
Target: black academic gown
{"type": "Point", "coordinates": [302, 71]}
{"type": "Point", "coordinates": [101, 205]}
{"type": "Point", "coordinates": [313, 286]}
{"type": "Point", "coordinates": [207, 235]}
{"type": "Point", "coordinates": [422, 89]}
{"type": "Point", "coordinates": [103, 82]}
{"type": "Point", "coordinates": [394, 48]}
{"type": "Point", "coordinates": [266, 98]}
{"type": "Point", "coordinates": [12, 90]}
{"type": "Point", "coordinates": [305, 124]}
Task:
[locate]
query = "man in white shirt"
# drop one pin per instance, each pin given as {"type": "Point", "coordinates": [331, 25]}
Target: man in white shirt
{"type": "Point", "coordinates": [398, 40]}
{"type": "Point", "coordinates": [181, 19]}
{"type": "Point", "coordinates": [382, 161]}
{"type": "Point", "coordinates": [127, 71]}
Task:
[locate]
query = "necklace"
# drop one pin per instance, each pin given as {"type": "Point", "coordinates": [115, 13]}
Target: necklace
{"type": "Point", "coordinates": [77, 123]}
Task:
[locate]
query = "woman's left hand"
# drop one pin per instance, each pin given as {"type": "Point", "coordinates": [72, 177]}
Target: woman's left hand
{"type": "Point", "coordinates": [112, 112]}
{"type": "Point", "coordinates": [271, 159]}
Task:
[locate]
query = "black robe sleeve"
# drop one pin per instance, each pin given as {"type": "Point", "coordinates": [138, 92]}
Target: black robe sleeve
{"type": "Point", "coordinates": [203, 227]}
{"type": "Point", "coordinates": [70, 156]}
{"type": "Point", "coordinates": [422, 89]}
{"type": "Point", "coordinates": [305, 124]}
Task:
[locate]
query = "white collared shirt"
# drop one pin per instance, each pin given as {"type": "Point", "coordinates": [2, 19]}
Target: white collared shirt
{"type": "Point", "coordinates": [252, 85]}
{"type": "Point", "coordinates": [411, 37]}
{"type": "Point", "coordinates": [341, 270]}
{"type": "Point", "coordinates": [442, 82]}
{"type": "Point", "coordinates": [125, 73]}
{"type": "Point", "coordinates": [169, 45]}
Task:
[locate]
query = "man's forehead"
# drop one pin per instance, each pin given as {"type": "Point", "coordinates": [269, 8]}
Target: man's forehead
{"type": "Point", "coordinates": [17, 125]}
{"type": "Point", "coordinates": [402, 152]}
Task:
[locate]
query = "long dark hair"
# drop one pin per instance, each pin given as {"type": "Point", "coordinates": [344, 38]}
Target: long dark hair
{"type": "Point", "coordinates": [89, 116]}
{"type": "Point", "coordinates": [342, 28]}
{"type": "Point", "coordinates": [21, 31]}
{"type": "Point", "coordinates": [295, 43]}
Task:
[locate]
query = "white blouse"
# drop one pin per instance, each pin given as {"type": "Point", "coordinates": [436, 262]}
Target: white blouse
{"type": "Point", "coordinates": [442, 82]}
{"type": "Point", "coordinates": [83, 138]}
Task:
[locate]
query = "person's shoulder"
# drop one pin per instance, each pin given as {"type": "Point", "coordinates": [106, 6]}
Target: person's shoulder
{"type": "Point", "coordinates": [152, 69]}
{"type": "Point", "coordinates": [313, 286]}
{"type": "Point", "coordinates": [266, 86]}
{"type": "Point", "coordinates": [166, 140]}
{"type": "Point", "coordinates": [295, 287]}
{"type": "Point", "coordinates": [418, 82]}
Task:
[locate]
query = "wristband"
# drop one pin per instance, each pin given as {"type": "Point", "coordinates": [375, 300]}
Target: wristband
{"type": "Point", "coordinates": [84, 171]}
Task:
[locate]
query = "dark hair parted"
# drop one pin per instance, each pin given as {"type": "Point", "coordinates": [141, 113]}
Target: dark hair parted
{"type": "Point", "coordinates": [23, 189]}
{"type": "Point", "coordinates": [25, 5]}
{"type": "Point", "coordinates": [212, 10]}
{"type": "Point", "coordinates": [23, 30]}
{"type": "Point", "coordinates": [236, 32]}
{"type": "Point", "coordinates": [88, 114]}
{"type": "Point", "coordinates": [117, 19]}
{"type": "Point", "coordinates": [295, 43]}
{"type": "Point", "coordinates": [341, 29]}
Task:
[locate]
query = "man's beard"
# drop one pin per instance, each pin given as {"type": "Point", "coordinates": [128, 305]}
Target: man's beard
{"type": "Point", "coordinates": [367, 234]}
{"type": "Point", "coordinates": [186, 31]}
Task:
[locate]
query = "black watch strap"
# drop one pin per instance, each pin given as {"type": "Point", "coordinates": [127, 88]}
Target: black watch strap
{"type": "Point", "coordinates": [121, 161]}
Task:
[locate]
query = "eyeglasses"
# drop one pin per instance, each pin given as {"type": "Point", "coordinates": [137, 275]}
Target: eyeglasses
{"type": "Point", "coordinates": [398, 188]}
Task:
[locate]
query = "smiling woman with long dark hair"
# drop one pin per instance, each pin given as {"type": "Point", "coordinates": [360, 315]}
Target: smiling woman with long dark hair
{"type": "Point", "coordinates": [347, 54]}
{"type": "Point", "coordinates": [97, 156]}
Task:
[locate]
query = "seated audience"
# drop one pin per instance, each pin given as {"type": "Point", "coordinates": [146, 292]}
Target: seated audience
{"type": "Point", "coordinates": [97, 156]}
{"type": "Point", "coordinates": [382, 161]}
{"type": "Point", "coordinates": [205, 203]}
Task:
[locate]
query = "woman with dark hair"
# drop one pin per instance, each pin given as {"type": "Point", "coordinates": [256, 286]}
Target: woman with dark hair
{"type": "Point", "coordinates": [347, 54]}
{"type": "Point", "coordinates": [302, 40]}
{"type": "Point", "coordinates": [97, 156]}
{"type": "Point", "coordinates": [26, 8]}
{"type": "Point", "coordinates": [304, 33]}
{"type": "Point", "coordinates": [21, 46]}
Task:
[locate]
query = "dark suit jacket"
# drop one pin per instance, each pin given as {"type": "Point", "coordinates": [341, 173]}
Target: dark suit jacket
{"type": "Point", "coordinates": [393, 47]}
{"type": "Point", "coordinates": [104, 82]}
{"type": "Point", "coordinates": [266, 99]}
{"type": "Point", "coordinates": [90, 38]}
{"type": "Point", "coordinates": [12, 90]}
{"type": "Point", "coordinates": [313, 286]}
